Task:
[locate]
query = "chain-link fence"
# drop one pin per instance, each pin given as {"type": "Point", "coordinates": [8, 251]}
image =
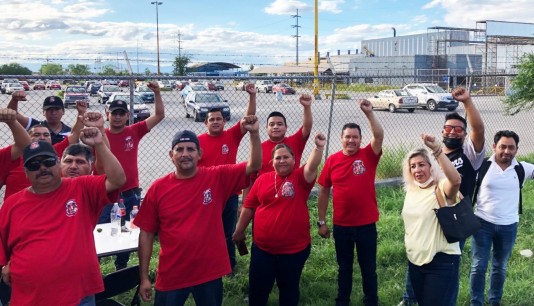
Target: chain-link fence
{"type": "Point", "coordinates": [335, 105]}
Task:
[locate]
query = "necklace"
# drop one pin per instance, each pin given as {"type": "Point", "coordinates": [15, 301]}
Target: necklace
{"type": "Point", "coordinates": [275, 188]}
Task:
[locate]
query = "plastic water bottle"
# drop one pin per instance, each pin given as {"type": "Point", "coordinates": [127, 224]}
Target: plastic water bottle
{"type": "Point", "coordinates": [133, 214]}
{"type": "Point", "coordinates": [115, 217]}
{"type": "Point", "coordinates": [122, 211]}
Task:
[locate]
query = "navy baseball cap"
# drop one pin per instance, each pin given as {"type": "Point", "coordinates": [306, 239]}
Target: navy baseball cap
{"type": "Point", "coordinates": [38, 148]}
{"type": "Point", "coordinates": [53, 102]}
{"type": "Point", "coordinates": [185, 136]}
{"type": "Point", "coordinates": [118, 104]}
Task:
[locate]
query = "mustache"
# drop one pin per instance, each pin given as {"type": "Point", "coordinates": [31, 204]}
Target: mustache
{"type": "Point", "coordinates": [43, 173]}
{"type": "Point", "coordinates": [186, 159]}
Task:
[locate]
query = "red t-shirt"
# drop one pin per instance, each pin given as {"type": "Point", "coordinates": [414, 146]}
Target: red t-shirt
{"type": "Point", "coordinates": [295, 141]}
{"type": "Point", "coordinates": [220, 149]}
{"type": "Point", "coordinates": [6, 163]}
{"type": "Point", "coordinates": [49, 240]}
{"type": "Point", "coordinates": [125, 146]}
{"type": "Point", "coordinates": [16, 179]}
{"type": "Point", "coordinates": [186, 214]}
{"type": "Point", "coordinates": [281, 220]}
{"type": "Point", "coordinates": [353, 179]}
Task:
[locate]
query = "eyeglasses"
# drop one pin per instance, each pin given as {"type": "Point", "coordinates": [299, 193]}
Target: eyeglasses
{"type": "Point", "coordinates": [34, 165]}
{"type": "Point", "coordinates": [457, 129]}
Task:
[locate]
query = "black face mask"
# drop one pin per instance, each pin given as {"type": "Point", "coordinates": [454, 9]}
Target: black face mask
{"type": "Point", "coordinates": [453, 143]}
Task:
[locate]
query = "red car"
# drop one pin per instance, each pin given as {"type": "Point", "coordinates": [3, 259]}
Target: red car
{"type": "Point", "coordinates": [39, 86]}
{"type": "Point", "coordinates": [25, 85]}
{"type": "Point", "coordinates": [124, 83]}
{"type": "Point", "coordinates": [53, 85]}
{"type": "Point", "coordinates": [284, 88]}
{"type": "Point", "coordinates": [210, 86]}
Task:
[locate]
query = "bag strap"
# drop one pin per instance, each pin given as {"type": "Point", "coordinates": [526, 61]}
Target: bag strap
{"type": "Point", "coordinates": [521, 177]}
{"type": "Point", "coordinates": [439, 196]}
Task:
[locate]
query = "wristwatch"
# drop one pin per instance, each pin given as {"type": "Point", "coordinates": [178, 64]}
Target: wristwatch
{"type": "Point", "coordinates": [321, 223]}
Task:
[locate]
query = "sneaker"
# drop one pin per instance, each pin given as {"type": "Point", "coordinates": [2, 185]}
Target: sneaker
{"type": "Point", "coordinates": [407, 303]}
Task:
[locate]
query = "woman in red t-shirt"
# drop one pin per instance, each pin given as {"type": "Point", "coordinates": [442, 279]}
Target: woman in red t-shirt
{"type": "Point", "coordinates": [281, 245]}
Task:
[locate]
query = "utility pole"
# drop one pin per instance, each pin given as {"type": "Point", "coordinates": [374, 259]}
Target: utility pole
{"type": "Point", "coordinates": [316, 51]}
{"type": "Point", "coordinates": [296, 26]}
{"type": "Point", "coordinates": [179, 44]}
{"type": "Point", "coordinates": [157, 3]}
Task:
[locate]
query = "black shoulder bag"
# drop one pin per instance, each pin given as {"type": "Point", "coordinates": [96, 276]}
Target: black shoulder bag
{"type": "Point", "coordinates": [457, 222]}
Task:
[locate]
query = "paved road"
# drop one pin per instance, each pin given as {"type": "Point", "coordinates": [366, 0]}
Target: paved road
{"type": "Point", "coordinates": [401, 129]}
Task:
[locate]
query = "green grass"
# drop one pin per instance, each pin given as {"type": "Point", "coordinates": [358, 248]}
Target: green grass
{"type": "Point", "coordinates": [318, 283]}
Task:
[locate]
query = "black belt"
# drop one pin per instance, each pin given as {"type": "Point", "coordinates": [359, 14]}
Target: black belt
{"type": "Point", "coordinates": [130, 192]}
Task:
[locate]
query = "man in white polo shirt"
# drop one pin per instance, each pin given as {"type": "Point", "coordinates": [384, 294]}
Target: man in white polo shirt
{"type": "Point", "coordinates": [498, 211]}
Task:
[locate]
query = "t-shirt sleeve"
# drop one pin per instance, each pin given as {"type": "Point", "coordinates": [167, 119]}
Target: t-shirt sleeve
{"type": "Point", "coordinates": [236, 132]}
{"type": "Point", "coordinates": [234, 177]}
{"type": "Point", "coordinates": [302, 179]}
{"type": "Point", "coordinates": [297, 142]}
{"type": "Point", "coordinates": [324, 178]}
{"type": "Point", "coordinates": [94, 189]}
{"type": "Point", "coordinates": [4, 231]}
{"type": "Point", "coordinates": [141, 129]}
{"type": "Point", "coordinates": [61, 146]}
{"type": "Point", "coordinates": [147, 218]}
{"type": "Point", "coordinates": [529, 171]}
{"type": "Point", "coordinates": [252, 200]}
{"type": "Point", "coordinates": [475, 158]}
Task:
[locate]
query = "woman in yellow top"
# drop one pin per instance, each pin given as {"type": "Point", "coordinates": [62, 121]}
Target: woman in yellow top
{"type": "Point", "coordinates": [433, 262]}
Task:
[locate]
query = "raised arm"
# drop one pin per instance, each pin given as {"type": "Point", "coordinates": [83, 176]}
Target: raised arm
{"type": "Point", "coordinates": [322, 206]}
{"type": "Point", "coordinates": [14, 105]}
{"type": "Point", "coordinates": [115, 176]}
{"type": "Point", "coordinates": [307, 119]}
{"type": "Point", "coordinates": [473, 117]}
{"type": "Point", "coordinates": [252, 125]}
{"type": "Point", "coordinates": [377, 132]}
{"type": "Point", "coordinates": [251, 106]}
{"type": "Point", "coordinates": [81, 107]}
{"type": "Point", "coordinates": [310, 169]}
{"type": "Point", "coordinates": [159, 108]}
{"type": "Point", "coordinates": [453, 178]}
{"type": "Point", "coordinates": [21, 137]}
{"type": "Point", "coordinates": [146, 243]}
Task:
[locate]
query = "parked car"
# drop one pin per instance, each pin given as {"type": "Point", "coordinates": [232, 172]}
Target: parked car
{"type": "Point", "coordinates": [199, 103]}
{"type": "Point", "coordinates": [190, 88]}
{"type": "Point", "coordinates": [210, 86]}
{"type": "Point", "coordinates": [93, 89]}
{"type": "Point", "coordinates": [25, 85]}
{"type": "Point", "coordinates": [393, 100]}
{"type": "Point", "coordinates": [219, 85]}
{"type": "Point", "coordinates": [141, 111]}
{"type": "Point", "coordinates": [105, 91]}
{"type": "Point", "coordinates": [124, 83]}
{"type": "Point", "coordinates": [431, 96]}
{"type": "Point", "coordinates": [165, 84]}
{"type": "Point", "coordinates": [145, 93]}
{"type": "Point", "coordinates": [284, 88]}
{"type": "Point", "coordinates": [39, 85]}
{"type": "Point", "coordinates": [74, 93]}
{"type": "Point", "coordinates": [12, 87]}
{"type": "Point", "coordinates": [180, 85]}
{"type": "Point", "coordinates": [264, 86]}
{"type": "Point", "coordinates": [240, 85]}
{"type": "Point", "coordinates": [53, 85]}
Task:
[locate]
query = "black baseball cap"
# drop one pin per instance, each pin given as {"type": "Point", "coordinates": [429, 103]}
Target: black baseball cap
{"type": "Point", "coordinates": [185, 136]}
{"type": "Point", "coordinates": [118, 104]}
{"type": "Point", "coordinates": [53, 102]}
{"type": "Point", "coordinates": [38, 148]}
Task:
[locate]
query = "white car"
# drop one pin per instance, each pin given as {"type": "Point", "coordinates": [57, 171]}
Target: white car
{"type": "Point", "coordinates": [393, 100]}
{"type": "Point", "coordinates": [141, 111]}
{"type": "Point", "coordinates": [431, 96]}
{"type": "Point", "coordinates": [165, 84]}
{"type": "Point", "coordinates": [12, 87]}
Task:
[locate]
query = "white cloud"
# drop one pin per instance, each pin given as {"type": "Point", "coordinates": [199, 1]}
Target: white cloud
{"type": "Point", "coordinates": [419, 19]}
{"type": "Point", "coordinates": [331, 6]}
{"type": "Point", "coordinates": [285, 7]}
{"type": "Point", "coordinates": [433, 4]}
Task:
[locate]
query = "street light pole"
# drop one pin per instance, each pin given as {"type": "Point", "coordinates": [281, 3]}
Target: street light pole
{"type": "Point", "coordinates": [157, 29]}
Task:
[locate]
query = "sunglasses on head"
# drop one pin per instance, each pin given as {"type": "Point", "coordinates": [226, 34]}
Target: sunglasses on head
{"type": "Point", "coordinates": [456, 128]}
{"type": "Point", "coordinates": [35, 164]}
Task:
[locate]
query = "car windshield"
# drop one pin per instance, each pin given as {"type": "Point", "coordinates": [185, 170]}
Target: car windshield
{"type": "Point", "coordinates": [76, 89]}
{"type": "Point", "coordinates": [111, 89]}
{"type": "Point", "coordinates": [144, 89]}
{"type": "Point", "coordinates": [401, 93]}
{"type": "Point", "coordinates": [435, 89]}
{"type": "Point", "coordinates": [198, 87]}
{"type": "Point", "coordinates": [208, 98]}
{"type": "Point", "coordinates": [137, 99]}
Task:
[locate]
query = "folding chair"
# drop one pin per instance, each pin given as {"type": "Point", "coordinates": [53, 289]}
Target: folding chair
{"type": "Point", "coordinates": [119, 282]}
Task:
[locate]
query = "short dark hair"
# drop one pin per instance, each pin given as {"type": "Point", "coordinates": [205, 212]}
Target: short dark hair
{"type": "Point", "coordinates": [507, 134]}
{"type": "Point", "coordinates": [351, 126]}
{"type": "Point", "coordinates": [39, 125]}
{"type": "Point", "coordinates": [280, 146]}
{"type": "Point", "coordinates": [215, 110]}
{"type": "Point", "coordinates": [456, 116]}
{"type": "Point", "coordinates": [277, 114]}
{"type": "Point", "coordinates": [78, 149]}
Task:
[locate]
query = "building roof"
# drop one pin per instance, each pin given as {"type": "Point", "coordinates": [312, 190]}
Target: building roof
{"type": "Point", "coordinates": [292, 68]}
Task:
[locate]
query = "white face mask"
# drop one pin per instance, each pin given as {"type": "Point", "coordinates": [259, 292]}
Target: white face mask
{"type": "Point", "coordinates": [425, 184]}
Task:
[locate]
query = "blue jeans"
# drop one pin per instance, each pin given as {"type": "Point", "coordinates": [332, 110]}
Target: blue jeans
{"type": "Point", "coordinates": [121, 261]}
{"type": "Point", "coordinates": [409, 295]}
{"type": "Point", "coordinates": [365, 239]}
{"type": "Point", "coordinates": [229, 218]}
{"type": "Point", "coordinates": [286, 269]}
{"type": "Point", "coordinates": [88, 301]}
{"type": "Point", "coordinates": [433, 283]}
{"type": "Point", "coordinates": [502, 237]}
{"type": "Point", "coordinates": [206, 294]}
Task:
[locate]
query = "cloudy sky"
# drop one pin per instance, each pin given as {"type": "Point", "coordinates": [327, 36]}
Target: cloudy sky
{"type": "Point", "coordinates": [239, 32]}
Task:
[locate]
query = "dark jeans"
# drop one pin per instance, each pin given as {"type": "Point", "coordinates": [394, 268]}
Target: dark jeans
{"type": "Point", "coordinates": [206, 294]}
{"type": "Point", "coordinates": [364, 237]}
{"type": "Point", "coordinates": [229, 218]}
{"type": "Point", "coordinates": [409, 295]}
{"type": "Point", "coordinates": [121, 261]}
{"type": "Point", "coordinates": [433, 283]}
{"type": "Point", "coordinates": [286, 269]}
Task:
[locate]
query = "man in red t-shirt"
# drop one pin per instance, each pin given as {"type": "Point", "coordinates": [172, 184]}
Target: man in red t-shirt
{"type": "Point", "coordinates": [47, 228]}
{"type": "Point", "coordinates": [9, 155]}
{"type": "Point", "coordinates": [124, 143]}
{"type": "Point", "coordinates": [219, 147]}
{"type": "Point", "coordinates": [276, 130]}
{"type": "Point", "coordinates": [351, 172]}
{"type": "Point", "coordinates": [184, 208]}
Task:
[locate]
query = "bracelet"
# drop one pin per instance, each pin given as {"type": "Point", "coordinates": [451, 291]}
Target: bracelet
{"type": "Point", "coordinates": [437, 153]}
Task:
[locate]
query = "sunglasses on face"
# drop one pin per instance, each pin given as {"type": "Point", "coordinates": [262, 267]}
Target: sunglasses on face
{"type": "Point", "coordinates": [34, 165]}
{"type": "Point", "coordinates": [457, 129]}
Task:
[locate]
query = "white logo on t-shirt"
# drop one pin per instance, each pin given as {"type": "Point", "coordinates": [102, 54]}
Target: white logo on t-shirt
{"type": "Point", "coordinates": [128, 143]}
{"type": "Point", "coordinates": [71, 208]}
{"type": "Point", "coordinates": [288, 190]}
{"type": "Point", "coordinates": [207, 197]}
{"type": "Point", "coordinates": [225, 149]}
{"type": "Point", "coordinates": [358, 167]}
